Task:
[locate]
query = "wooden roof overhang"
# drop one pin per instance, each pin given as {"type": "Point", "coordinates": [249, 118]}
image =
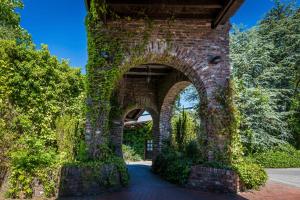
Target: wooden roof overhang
{"type": "Point", "coordinates": [216, 11]}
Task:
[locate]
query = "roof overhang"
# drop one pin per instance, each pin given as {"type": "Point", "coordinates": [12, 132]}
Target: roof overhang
{"type": "Point", "coordinates": [216, 11]}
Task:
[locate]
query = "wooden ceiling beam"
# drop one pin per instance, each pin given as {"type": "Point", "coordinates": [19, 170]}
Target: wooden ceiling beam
{"type": "Point", "coordinates": [228, 10]}
{"type": "Point", "coordinates": [167, 2]}
{"type": "Point", "coordinates": [217, 11]}
{"type": "Point", "coordinates": [148, 6]}
{"type": "Point", "coordinates": [147, 73]}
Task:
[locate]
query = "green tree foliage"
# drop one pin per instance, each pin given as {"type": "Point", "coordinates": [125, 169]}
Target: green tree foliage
{"type": "Point", "coordinates": [265, 61]}
{"type": "Point", "coordinates": [10, 22]}
{"type": "Point", "coordinates": [184, 129]}
{"type": "Point", "coordinates": [181, 130]}
{"type": "Point", "coordinates": [37, 94]}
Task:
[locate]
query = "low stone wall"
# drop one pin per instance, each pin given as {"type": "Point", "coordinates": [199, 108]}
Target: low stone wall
{"type": "Point", "coordinates": [215, 180]}
{"type": "Point", "coordinates": [79, 181]}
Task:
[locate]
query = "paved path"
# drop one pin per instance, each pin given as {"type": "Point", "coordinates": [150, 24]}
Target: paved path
{"type": "Point", "coordinates": [289, 176]}
{"type": "Point", "coordinates": [144, 185]}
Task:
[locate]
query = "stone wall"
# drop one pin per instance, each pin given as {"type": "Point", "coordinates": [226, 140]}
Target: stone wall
{"type": "Point", "coordinates": [85, 181]}
{"type": "Point", "coordinates": [212, 179]}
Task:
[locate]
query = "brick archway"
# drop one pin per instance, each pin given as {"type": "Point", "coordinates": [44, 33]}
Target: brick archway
{"type": "Point", "coordinates": [197, 54]}
{"type": "Point", "coordinates": [117, 129]}
{"type": "Point", "coordinates": [137, 93]}
{"type": "Point", "coordinates": [167, 107]}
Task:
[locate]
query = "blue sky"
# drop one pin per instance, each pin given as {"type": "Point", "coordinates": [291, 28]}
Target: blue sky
{"type": "Point", "coordinates": [60, 25]}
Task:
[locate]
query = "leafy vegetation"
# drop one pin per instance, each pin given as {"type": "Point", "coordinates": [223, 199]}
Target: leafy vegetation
{"type": "Point", "coordinates": [172, 165]}
{"type": "Point", "coordinates": [39, 99]}
{"type": "Point", "coordinates": [284, 156]}
{"type": "Point", "coordinates": [265, 70]}
{"type": "Point", "coordinates": [265, 61]}
{"type": "Point", "coordinates": [42, 105]}
{"type": "Point", "coordinates": [184, 128]}
{"type": "Point", "coordinates": [130, 155]}
{"type": "Point", "coordinates": [134, 142]}
{"type": "Point", "coordinates": [252, 175]}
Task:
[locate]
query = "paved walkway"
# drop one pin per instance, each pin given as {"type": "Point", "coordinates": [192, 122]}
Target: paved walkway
{"type": "Point", "coordinates": [290, 176]}
{"type": "Point", "coordinates": [144, 185]}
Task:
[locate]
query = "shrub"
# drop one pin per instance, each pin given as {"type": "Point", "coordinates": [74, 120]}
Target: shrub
{"type": "Point", "coordinates": [284, 156]}
{"type": "Point", "coordinates": [193, 151]}
{"type": "Point", "coordinates": [32, 160]}
{"type": "Point", "coordinates": [173, 166]}
{"type": "Point", "coordinates": [129, 154]}
{"type": "Point", "coordinates": [252, 175]}
{"type": "Point", "coordinates": [184, 129]}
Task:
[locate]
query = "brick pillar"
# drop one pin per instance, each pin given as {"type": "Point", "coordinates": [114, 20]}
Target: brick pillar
{"type": "Point", "coordinates": [116, 136]}
{"type": "Point", "coordinates": [156, 136]}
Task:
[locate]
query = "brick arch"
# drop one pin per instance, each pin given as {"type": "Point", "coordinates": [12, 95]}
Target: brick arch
{"type": "Point", "coordinates": [195, 50]}
{"type": "Point", "coordinates": [182, 59]}
{"type": "Point", "coordinates": [167, 107]}
{"type": "Point", "coordinates": [149, 108]}
{"type": "Point", "coordinates": [116, 135]}
{"type": "Point", "coordinates": [187, 71]}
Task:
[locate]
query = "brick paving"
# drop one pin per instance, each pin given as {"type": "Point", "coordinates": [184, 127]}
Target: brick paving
{"type": "Point", "coordinates": [144, 185]}
{"type": "Point", "coordinates": [274, 191]}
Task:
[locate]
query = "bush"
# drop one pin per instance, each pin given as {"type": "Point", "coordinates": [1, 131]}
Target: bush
{"type": "Point", "coordinates": [129, 154]}
{"type": "Point", "coordinates": [194, 152]}
{"type": "Point", "coordinates": [284, 156]}
{"type": "Point", "coordinates": [32, 160]}
{"type": "Point", "coordinates": [173, 166]}
{"type": "Point", "coordinates": [252, 175]}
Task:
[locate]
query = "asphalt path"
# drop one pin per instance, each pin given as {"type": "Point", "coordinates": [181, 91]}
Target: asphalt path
{"type": "Point", "coordinates": [288, 176]}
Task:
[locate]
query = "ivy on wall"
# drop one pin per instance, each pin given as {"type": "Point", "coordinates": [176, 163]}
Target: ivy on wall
{"type": "Point", "coordinates": [106, 54]}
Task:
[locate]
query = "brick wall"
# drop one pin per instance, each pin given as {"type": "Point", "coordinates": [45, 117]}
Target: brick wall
{"type": "Point", "coordinates": [212, 179]}
{"type": "Point", "coordinates": [85, 181]}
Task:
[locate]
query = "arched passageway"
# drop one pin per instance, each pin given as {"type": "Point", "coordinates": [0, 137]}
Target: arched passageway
{"type": "Point", "coordinates": [151, 87]}
{"type": "Point", "coordinates": [139, 62]}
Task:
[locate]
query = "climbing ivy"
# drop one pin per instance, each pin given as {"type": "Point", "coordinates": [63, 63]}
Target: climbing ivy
{"type": "Point", "coordinates": [105, 67]}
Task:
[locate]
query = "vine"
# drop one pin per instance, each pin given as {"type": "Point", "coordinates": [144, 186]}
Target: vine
{"type": "Point", "coordinates": [106, 53]}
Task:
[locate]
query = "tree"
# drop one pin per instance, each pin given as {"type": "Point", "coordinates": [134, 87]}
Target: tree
{"type": "Point", "coordinates": [10, 22]}
{"type": "Point", "coordinates": [36, 89]}
{"type": "Point", "coordinates": [265, 66]}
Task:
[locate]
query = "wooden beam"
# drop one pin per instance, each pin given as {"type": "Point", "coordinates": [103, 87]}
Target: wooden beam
{"type": "Point", "coordinates": [177, 6]}
{"type": "Point", "coordinates": [147, 73]}
{"type": "Point", "coordinates": [153, 66]}
{"type": "Point", "coordinates": [167, 2]}
{"type": "Point", "coordinates": [229, 9]}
